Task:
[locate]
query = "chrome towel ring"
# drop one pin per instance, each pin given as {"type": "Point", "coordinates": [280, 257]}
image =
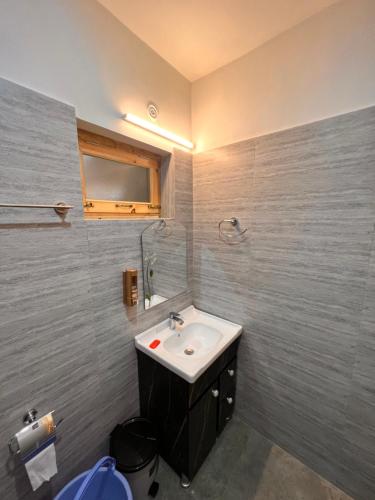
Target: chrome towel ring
{"type": "Point", "coordinates": [163, 228]}
{"type": "Point", "coordinates": [232, 238]}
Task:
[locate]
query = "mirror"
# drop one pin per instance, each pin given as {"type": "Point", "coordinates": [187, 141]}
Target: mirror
{"type": "Point", "coordinates": [164, 259]}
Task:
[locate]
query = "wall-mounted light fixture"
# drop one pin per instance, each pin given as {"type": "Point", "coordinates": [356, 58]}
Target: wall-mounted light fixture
{"type": "Point", "coordinates": [158, 130]}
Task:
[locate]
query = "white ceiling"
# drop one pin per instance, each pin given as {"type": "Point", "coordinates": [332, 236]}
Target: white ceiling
{"type": "Point", "coordinates": [199, 36]}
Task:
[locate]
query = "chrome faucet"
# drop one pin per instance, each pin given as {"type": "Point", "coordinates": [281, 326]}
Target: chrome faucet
{"type": "Point", "coordinates": [173, 319]}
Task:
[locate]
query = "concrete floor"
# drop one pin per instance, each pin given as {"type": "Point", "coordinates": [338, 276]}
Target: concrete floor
{"type": "Point", "coordinates": [244, 465]}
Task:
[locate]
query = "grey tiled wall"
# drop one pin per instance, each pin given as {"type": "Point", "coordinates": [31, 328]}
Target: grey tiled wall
{"type": "Point", "coordinates": [66, 340]}
{"type": "Point", "coordinates": [301, 285]}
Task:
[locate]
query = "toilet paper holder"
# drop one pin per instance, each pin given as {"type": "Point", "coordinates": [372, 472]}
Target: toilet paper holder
{"type": "Point", "coordinates": [35, 435]}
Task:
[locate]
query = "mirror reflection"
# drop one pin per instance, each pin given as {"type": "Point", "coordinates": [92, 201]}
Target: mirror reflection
{"type": "Point", "coordinates": [164, 255]}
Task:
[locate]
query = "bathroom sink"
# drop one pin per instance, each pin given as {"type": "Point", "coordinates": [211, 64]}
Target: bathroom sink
{"type": "Point", "coordinates": [191, 348]}
{"type": "Point", "coordinates": [195, 339]}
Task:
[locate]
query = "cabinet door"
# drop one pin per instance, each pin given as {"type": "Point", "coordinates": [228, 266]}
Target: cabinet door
{"type": "Point", "coordinates": [202, 428]}
{"type": "Point", "coordinates": [227, 388]}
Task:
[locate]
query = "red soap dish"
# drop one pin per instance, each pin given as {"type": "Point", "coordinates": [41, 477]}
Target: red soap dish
{"type": "Point", "coordinates": [154, 344]}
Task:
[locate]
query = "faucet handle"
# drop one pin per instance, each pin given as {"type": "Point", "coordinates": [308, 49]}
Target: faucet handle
{"type": "Point", "coordinates": [175, 318]}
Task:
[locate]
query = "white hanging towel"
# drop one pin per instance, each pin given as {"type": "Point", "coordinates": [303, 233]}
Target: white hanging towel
{"type": "Point", "coordinates": [42, 467]}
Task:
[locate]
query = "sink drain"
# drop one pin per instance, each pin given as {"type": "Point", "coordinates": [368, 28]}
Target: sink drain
{"type": "Point", "coordinates": [189, 351]}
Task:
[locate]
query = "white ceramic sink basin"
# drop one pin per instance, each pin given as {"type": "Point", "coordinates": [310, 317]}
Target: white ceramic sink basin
{"type": "Point", "coordinates": [189, 350]}
{"type": "Point", "coordinates": [196, 339]}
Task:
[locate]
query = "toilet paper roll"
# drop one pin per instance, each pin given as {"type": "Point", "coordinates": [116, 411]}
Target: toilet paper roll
{"type": "Point", "coordinates": [42, 466]}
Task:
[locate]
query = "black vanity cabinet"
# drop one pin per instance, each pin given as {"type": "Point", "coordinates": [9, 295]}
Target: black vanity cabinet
{"type": "Point", "coordinates": [227, 384]}
{"type": "Point", "coordinates": [189, 417]}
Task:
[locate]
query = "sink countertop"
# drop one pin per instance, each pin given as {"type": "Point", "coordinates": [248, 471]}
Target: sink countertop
{"type": "Point", "coordinates": [206, 335]}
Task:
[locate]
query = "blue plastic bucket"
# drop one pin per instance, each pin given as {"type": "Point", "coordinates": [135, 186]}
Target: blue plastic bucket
{"type": "Point", "coordinates": [102, 482]}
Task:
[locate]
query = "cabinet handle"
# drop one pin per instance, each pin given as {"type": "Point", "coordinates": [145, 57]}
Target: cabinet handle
{"type": "Point", "coordinates": [215, 393]}
{"type": "Point", "coordinates": [231, 373]}
{"type": "Point", "coordinates": [230, 401]}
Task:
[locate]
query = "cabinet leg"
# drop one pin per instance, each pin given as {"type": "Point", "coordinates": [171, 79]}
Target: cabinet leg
{"type": "Point", "coordinates": [185, 482]}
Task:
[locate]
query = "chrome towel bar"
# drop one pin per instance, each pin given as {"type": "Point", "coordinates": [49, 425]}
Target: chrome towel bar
{"type": "Point", "coordinates": [60, 208]}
